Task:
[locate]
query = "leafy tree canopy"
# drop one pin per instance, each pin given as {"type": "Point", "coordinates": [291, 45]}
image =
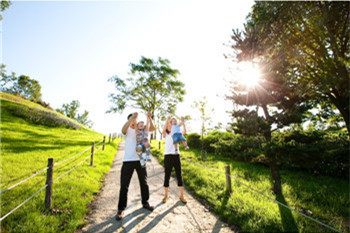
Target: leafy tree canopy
{"type": "Point", "coordinates": [152, 85]}
{"type": "Point", "coordinates": [71, 110]}
{"type": "Point", "coordinates": [22, 86]}
{"type": "Point", "coordinates": [313, 37]}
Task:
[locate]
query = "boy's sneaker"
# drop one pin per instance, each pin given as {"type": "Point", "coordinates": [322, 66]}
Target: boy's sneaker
{"type": "Point", "coordinates": [186, 148]}
{"type": "Point", "coordinates": [148, 158]}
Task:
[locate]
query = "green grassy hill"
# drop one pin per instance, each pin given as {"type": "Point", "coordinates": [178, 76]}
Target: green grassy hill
{"type": "Point", "coordinates": [30, 134]}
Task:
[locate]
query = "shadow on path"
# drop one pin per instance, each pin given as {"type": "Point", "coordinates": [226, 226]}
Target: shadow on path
{"type": "Point", "coordinates": [158, 219]}
{"type": "Point", "coordinates": [114, 225]}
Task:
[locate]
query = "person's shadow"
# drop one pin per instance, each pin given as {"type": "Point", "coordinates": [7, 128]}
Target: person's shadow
{"type": "Point", "coordinates": [157, 219]}
{"type": "Point", "coordinates": [112, 225]}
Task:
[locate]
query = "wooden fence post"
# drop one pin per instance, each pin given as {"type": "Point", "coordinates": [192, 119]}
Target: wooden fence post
{"type": "Point", "coordinates": [109, 139]}
{"type": "Point", "coordinates": [92, 154]}
{"type": "Point", "coordinates": [104, 141]}
{"type": "Point", "coordinates": [49, 181]}
{"type": "Point", "coordinates": [228, 179]}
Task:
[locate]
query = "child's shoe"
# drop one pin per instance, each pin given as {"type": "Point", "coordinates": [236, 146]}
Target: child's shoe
{"type": "Point", "coordinates": [143, 162]}
{"type": "Point", "coordinates": [186, 148]}
{"type": "Point", "coordinates": [183, 199]}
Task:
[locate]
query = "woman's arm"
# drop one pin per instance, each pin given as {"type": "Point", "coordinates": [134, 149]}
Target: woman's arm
{"type": "Point", "coordinates": [151, 126]}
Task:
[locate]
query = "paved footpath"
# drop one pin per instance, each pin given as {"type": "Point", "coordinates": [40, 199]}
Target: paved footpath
{"type": "Point", "coordinates": [173, 216]}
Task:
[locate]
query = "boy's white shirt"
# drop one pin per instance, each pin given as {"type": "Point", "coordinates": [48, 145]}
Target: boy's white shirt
{"type": "Point", "coordinates": [169, 145]}
{"type": "Point", "coordinates": [130, 146]}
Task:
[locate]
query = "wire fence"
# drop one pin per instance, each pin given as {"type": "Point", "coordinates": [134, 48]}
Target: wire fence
{"type": "Point", "coordinates": [266, 196]}
{"type": "Point", "coordinates": [48, 169]}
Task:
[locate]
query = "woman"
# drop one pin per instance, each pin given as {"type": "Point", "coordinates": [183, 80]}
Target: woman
{"type": "Point", "coordinates": [172, 159]}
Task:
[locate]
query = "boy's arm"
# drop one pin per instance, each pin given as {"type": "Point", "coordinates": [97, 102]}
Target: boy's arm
{"type": "Point", "coordinates": [127, 124]}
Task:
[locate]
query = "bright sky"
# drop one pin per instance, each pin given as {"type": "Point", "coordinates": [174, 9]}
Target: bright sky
{"type": "Point", "coordinates": [72, 48]}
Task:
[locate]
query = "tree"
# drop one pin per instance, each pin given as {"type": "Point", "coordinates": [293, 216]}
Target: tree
{"type": "Point", "coordinates": [248, 122]}
{"type": "Point", "coordinates": [28, 88]}
{"type": "Point", "coordinates": [314, 37]}
{"type": "Point", "coordinates": [201, 106]}
{"type": "Point", "coordinates": [151, 86]}
{"type": "Point", "coordinates": [280, 100]}
{"type": "Point", "coordinates": [22, 86]}
{"type": "Point", "coordinates": [71, 110]}
{"type": "Point", "coordinates": [7, 81]}
{"type": "Point", "coordinates": [3, 5]}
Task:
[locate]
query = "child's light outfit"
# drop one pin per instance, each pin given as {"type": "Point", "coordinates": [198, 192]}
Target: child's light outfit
{"type": "Point", "coordinates": [176, 134]}
{"type": "Point", "coordinates": [141, 139]}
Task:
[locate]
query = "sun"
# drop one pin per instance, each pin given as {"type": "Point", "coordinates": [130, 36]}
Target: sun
{"type": "Point", "coordinates": [248, 74]}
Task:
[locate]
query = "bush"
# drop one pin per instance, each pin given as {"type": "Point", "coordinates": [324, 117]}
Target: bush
{"type": "Point", "coordinates": [41, 117]}
{"type": "Point", "coordinates": [43, 103]}
{"type": "Point", "coordinates": [193, 140]}
{"type": "Point", "coordinates": [316, 151]}
{"type": "Point", "coordinates": [319, 152]}
{"type": "Point", "coordinates": [239, 147]}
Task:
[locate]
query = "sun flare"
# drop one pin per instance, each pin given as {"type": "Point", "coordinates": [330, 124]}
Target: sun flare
{"type": "Point", "coordinates": [248, 74]}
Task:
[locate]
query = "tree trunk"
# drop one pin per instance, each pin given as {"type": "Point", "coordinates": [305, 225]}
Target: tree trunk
{"type": "Point", "coordinates": [343, 107]}
{"type": "Point", "coordinates": [155, 130]}
{"type": "Point", "coordinates": [276, 178]}
{"type": "Point", "coordinates": [202, 145]}
{"type": "Point", "coordinates": [274, 167]}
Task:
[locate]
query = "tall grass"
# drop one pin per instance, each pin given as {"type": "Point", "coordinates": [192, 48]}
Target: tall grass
{"type": "Point", "coordinates": [321, 197]}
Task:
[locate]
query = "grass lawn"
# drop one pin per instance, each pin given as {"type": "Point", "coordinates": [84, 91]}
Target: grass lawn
{"type": "Point", "coordinates": [25, 149]}
{"type": "Point", "coordinates": [323, 198]}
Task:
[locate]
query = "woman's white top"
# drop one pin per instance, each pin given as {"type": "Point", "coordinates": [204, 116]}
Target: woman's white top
{"type": "Point", "coordinates": [130, 146]}
{"type": "Point", "coordinates": [169, 148]}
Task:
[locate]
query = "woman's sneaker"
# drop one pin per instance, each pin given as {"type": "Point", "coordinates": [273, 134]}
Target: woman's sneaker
{"type": "Point", "coordinates": [183, 200]}
{"type": "Point", "coordinates": [165, 199]}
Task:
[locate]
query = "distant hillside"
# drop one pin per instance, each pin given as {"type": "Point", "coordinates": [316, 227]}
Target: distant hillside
{"type": "Point", "coordinates": [35, 113]}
